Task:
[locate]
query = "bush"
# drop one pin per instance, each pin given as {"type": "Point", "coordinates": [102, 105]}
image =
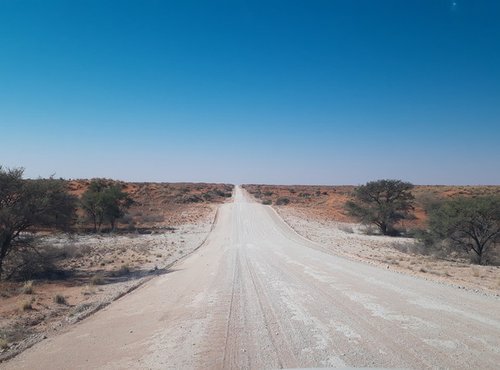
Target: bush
{"type": "Point", "coordinates": [27, 204]}
{"type": "Point", "coordinates": [267, 202]}
{"type": "Point", "coordinates": [59, 299]}
{"type": "Point", "coordinates": [25, 264]}
{"type": "Point", "coordinates": [282, 201]}
{"type": "Point", "coordinates": [97, 279]}
{"type": "Point", "coordinates": [27, 304]}
{"type": "Point", "coordinates": [3, 343]}
{"type": "Point", "coordinates": [122, 271]}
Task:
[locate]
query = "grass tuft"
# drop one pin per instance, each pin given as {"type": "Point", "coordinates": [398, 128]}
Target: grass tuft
{"type": "Point", "coordinates": [28, 287]}
{"type": "Point", "coordinates": [27, 304]}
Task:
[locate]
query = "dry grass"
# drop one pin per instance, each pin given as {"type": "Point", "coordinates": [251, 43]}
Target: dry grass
{"type": "Point", "coordinates": [28, 287]}
{"type": "Point", "coordinates": [26, 304]}
{"type": "Point", "coordinates": [3, 343]}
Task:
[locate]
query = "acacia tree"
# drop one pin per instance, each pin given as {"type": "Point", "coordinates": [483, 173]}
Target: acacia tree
{"type": "Point", "coordinates": [382, 203]}
{"type": "Point", "coordinates": [472, 224]}
{"type": "Point", "coordinates": [104, 201]}
{"type": "Point", "coordinates": [27, 204]}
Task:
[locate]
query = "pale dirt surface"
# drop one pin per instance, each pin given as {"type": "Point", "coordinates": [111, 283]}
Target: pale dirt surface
{"type": "Point", "coordinates": [258, 295]}
{"type": "Point", "coordinates": [350, 240]}
{"type": "Point", "coordinates": [89, 256]}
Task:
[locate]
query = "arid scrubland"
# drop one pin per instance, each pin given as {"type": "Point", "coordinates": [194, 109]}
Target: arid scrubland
{"type": "Point", "coordinates": [65, 276]}
{"type": "Point", "coordinates": [318, 213]}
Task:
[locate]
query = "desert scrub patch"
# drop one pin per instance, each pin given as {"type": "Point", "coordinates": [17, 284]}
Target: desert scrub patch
{"type": "Point", "coordinates": [26, 304]}
{"type": "Point", "coordinates": [282, 201]}
{"type": "Point", "coordinates": [97, 279]}
{"type": "Point", "coordinates": [59, 299]}
{"type": "Point", "coordinates": [3, 343]}
{"type": "Point", "coordinates": [347, 229]}
{"type": "Point", "coordinates": [123, 270]}
{"type": "Point", "coordinates": [28, 288]}
{"type": "Point", "coordinates": [476, 272]}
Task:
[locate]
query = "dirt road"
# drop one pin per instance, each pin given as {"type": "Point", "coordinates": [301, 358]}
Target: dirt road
{"type": "Point", "coordinates": [257, 295]}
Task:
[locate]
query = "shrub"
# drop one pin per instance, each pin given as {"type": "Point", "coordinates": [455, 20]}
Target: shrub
{"type": "Point", "coordinates": [123, 270]}
{"type": "Point", "coordinates": [282, 201]}
{"type": "Point", "coordinates": [59, 299]}
{"type": "Point", "coordinates": [267, 202]}
{"type": "Point", "coordinates": [26, 204]}
{"type": "Point", "coordinates": [3, 343]}
{"type": "Point", "coordinates": [97, 279]}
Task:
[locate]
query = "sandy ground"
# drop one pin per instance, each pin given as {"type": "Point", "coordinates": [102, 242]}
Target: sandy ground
{"type": "Point", "coordinates": [350, 240]}
{"type": "Point", "coordinates": [258, 295]}
{"type": "Point", "coordinates": [103, 268]}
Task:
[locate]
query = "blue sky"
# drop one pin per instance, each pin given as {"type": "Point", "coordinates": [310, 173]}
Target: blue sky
{"type": "Point", "coordinates": [304, 92]}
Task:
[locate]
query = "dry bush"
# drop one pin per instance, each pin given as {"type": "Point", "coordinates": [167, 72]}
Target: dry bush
{"type": "Point", "coordinates": [282, 201]}
{"type": "Point", "coordinates": [122, 271]}
{"type": "Point", "coordinates": [26, 304]}
{"type": "Point", "coordinates": [3, 343]}
{"type": "Point", "coordinates": [28, 287]}
{"type": "Point", "coordinates": [347, 229]}
{"type": "Point", "coordinates": [97, 279]}
{"type": "Point", "coordinates": [59, 299]}
{"type": "Point", "coordinates": [35, 262]}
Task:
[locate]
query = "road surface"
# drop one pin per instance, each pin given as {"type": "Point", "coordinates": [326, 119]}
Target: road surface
{"type": "Point", "coordinates": [257, 295]}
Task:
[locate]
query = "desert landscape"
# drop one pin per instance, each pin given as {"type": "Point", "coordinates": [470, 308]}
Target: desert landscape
{"type": "Point", "coordinates": [257, 294]}
{"type": "Point", "coordinates": [318, 213]}
{"type": "Point", "coordinates": [76, 274]}
{"type": "Point", "coordinates": [249, 185]}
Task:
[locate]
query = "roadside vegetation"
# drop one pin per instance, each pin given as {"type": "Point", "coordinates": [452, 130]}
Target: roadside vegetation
{"type": "Point", "coordinates": [69, 246]}
{"type": "Point", "coordinates": [455, 223]}
{"type": "Point", "coordinates": [383, 203]}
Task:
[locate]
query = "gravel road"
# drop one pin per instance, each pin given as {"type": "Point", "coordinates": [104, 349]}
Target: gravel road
{"type": "Point", "coordinates": [256, 295]}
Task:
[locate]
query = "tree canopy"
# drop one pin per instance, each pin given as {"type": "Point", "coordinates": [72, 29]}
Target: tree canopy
{"type": "Point", "coordinates": [104, 202]}
{"type": "Point", "coordinates": [472, 224]}
{"type": "Point", "coordinates": [382, 203]}
{"type": "Point", "coordinates": [26, 204]}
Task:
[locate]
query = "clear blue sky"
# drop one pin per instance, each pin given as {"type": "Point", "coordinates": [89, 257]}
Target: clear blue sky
{"type": "Point", "coordinates": [330, 92]}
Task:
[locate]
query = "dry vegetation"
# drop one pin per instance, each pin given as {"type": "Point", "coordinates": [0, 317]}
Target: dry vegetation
{"type": "Point", "coordinates": [73, 275]}
{"type": "Point", "coordinates": [327, 202]}
{"type": "Point", "coordinates": [317, 212]}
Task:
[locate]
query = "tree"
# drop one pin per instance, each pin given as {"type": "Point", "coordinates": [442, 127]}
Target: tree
{"type": "Point", "coordinates": [104, 201]}
{"type": "Point", "coordinates": [382, 203]}
{"type": "Point", "coordinates": [472, 224]}
{"type": "Point", "coordinates": [27, 204]}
